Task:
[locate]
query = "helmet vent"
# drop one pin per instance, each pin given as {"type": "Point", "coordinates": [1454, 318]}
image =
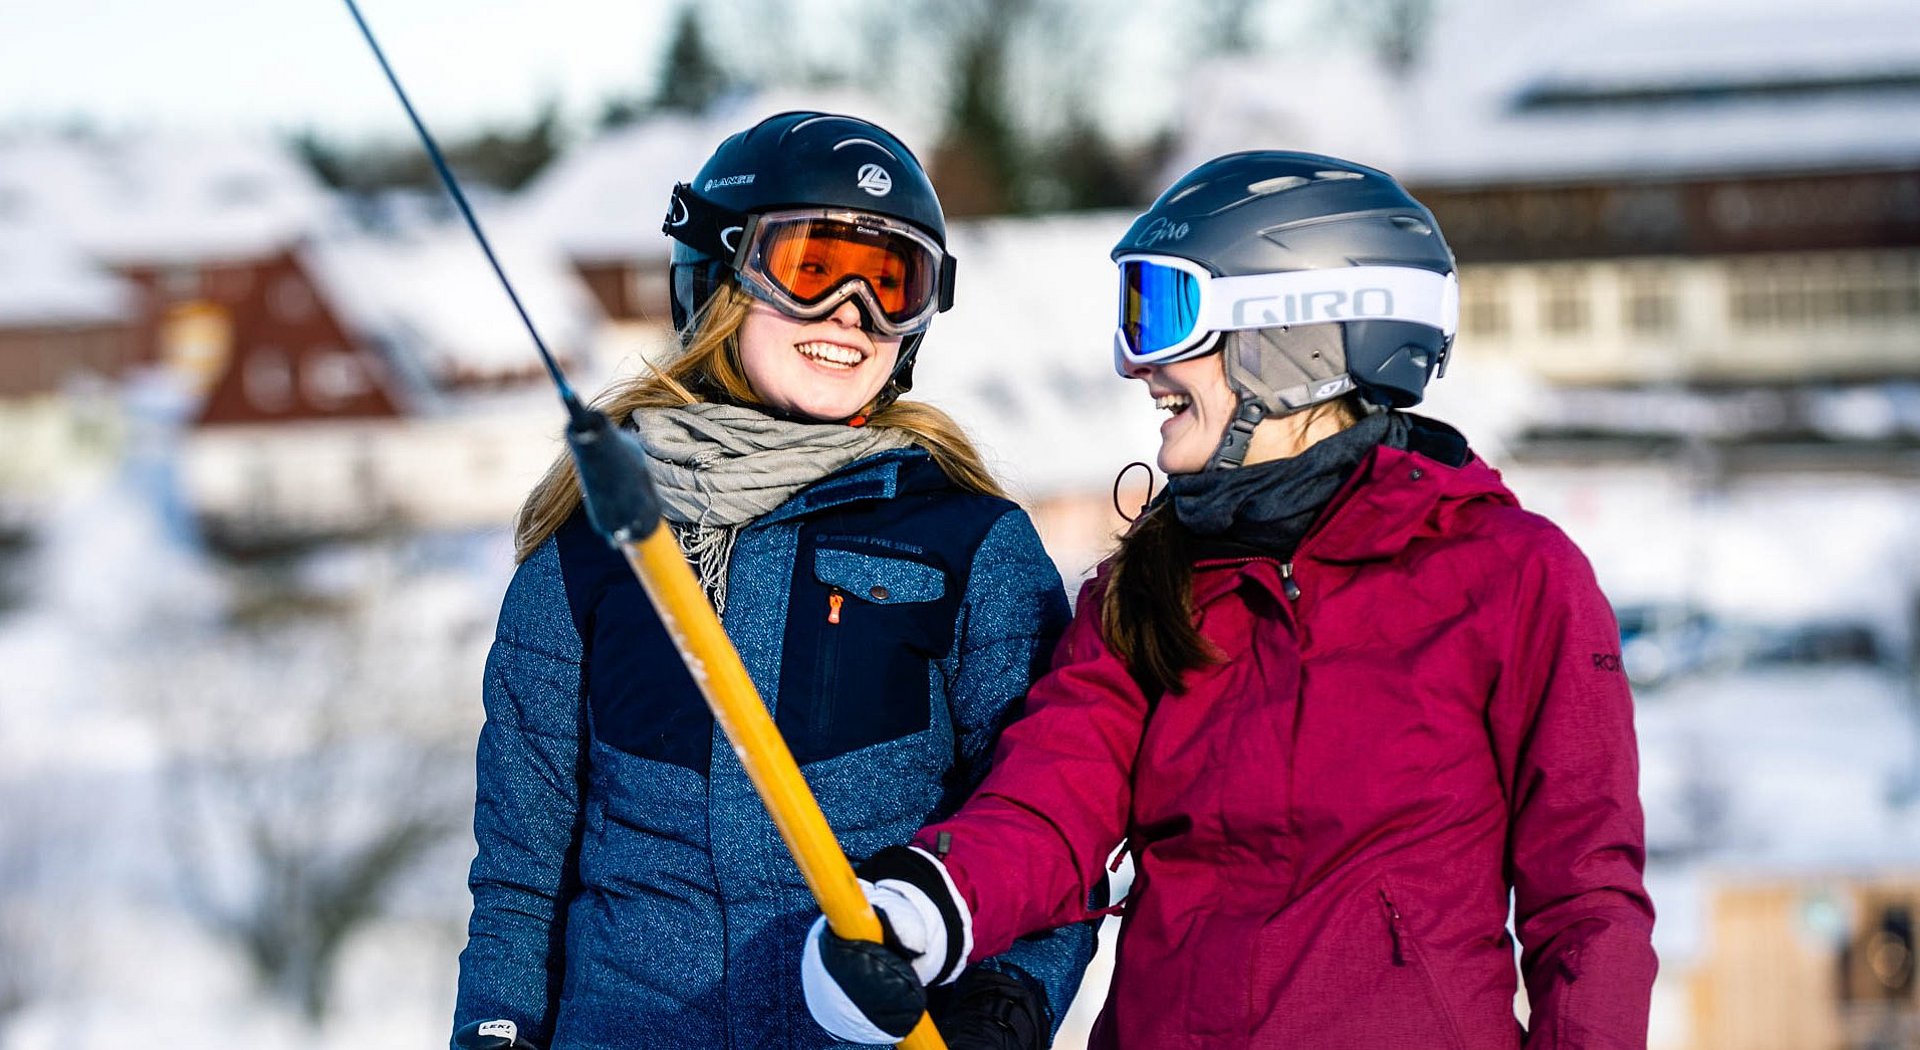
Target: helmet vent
{"type": "Point", "coordinates": [1276, 185]}
{"type": "Point", "coordinates": [1188, 192]}
{"type": "Point", "coordinates": [1338, 175]}
{"type": "Point", "coordinates": [844, 143]}
{"type": "Point", "coordinates": [1407, 222]}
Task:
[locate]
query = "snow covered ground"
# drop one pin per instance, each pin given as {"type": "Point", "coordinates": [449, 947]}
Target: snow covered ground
{"type": "Point", "coordinates": [141, 835]}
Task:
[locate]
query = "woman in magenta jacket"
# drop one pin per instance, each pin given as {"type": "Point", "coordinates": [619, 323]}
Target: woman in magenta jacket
{"type": "Point", "coordinates": [1340, 696]}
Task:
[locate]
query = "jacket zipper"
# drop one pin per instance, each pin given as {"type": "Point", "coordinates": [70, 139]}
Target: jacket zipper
{"type": "Point", "coordinates": [829, 662]}
{"type": "Point", "coordinates": [1287, 583]}
{"type": "Point", "coordinates": [1394, 930]}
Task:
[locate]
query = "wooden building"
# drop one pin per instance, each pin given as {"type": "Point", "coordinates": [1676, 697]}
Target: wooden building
{"type": "Point", "coordinates": [329, 379]}
{"type": "Point", "coordinates": [1808, 961]}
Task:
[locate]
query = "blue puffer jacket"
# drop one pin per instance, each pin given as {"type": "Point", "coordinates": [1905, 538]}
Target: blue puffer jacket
{"type": "Point", "coordinates": [630, 890]}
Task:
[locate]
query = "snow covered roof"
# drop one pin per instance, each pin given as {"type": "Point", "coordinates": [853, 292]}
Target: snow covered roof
{"type": "Point", "coordinates": [605, 198]}
{"type": "Point", "coordinates": [1669, 88]}
{"type": "Point", "coordinates": [1509, 90]}
{"type": "Point", "coordinates": [154, 198]}
{"type": "Point", "coordinates": [45, 281]}
{"type": "Point", "coordinates": [430, 295]}
{"type": "Point", "coordinates": [1340, 103]}
{"type": "Point", "coordinates": [1024, 360]}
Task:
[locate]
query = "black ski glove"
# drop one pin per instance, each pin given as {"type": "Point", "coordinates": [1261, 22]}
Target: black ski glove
{"type": "Point", "coordinates": [858, 990]}
{"type": "Point", "coordinates": [491, 1035]}
{"type": "Point", "coordinates": [990, 1010]}
{"type": "Point", "coordinates": [873, 993]}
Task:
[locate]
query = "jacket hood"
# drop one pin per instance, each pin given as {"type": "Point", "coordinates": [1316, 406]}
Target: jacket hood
{"type": "Point", "coordinates": [1400, 495]}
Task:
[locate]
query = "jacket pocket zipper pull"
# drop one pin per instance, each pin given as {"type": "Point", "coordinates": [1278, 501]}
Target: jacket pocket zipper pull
{"type": "Point", "coordinates": [835, 600]}
{"type": "Point", "coordinates": [1287, 584]}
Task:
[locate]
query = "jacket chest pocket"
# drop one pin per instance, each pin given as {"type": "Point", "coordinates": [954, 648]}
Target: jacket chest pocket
{"type": "Point", "coordinates": [863, 632]}
{"type": "Point", "coordinates": [643, 700]}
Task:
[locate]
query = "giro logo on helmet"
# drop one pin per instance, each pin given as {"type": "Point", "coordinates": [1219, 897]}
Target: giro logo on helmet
{"type": "Point", "coordinates": [1161, 230]}
{"type": "Point", "coordinates": [1328, 389]}
{"type": "Point", "coordinates": [1308, 307]}
{"type": "Point", "coordinates": [874, 179]}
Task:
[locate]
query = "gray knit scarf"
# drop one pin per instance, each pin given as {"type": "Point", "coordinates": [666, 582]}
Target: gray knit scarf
{"type": "Point", "coordinates": [718, 467]}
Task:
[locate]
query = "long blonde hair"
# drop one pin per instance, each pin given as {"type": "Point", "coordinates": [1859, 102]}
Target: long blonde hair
{"type": "Point", "coordinates": [708, 368]}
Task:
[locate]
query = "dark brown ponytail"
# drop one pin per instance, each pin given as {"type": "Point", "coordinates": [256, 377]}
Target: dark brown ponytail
{"type": "Point", "coordinates": [1147, 615]}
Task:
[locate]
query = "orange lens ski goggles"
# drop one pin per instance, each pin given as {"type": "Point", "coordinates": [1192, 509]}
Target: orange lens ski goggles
{"type": "Point", "coordinates": [808, 262]}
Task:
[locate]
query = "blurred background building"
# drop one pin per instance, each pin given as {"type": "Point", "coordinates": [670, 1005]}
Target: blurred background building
{"type": "Point", "coordinates": [265, 419]}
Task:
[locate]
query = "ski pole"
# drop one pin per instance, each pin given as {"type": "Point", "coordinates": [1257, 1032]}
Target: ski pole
{"type": "Point", "coordinates": [624, 508]}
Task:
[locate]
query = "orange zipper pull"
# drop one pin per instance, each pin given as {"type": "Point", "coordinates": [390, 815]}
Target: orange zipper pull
{"type": "Point", "coordinates": [834, 600]}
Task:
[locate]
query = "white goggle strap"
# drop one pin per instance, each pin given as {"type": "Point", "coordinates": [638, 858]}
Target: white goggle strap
{"type": "Point", "coordinates": [1353, 293]}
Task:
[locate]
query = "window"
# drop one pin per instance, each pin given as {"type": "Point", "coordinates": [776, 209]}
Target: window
{"type": "Point", "coordinates": [1818, 289]}
{"type": "Point", "coordinates": [267, 379]}
{"type": "Point", "coordinates": [1563, 301]}
{"type": "Point", "coordinates": [180, 282]}
{"type": "Point", "coordinates": [331, 375]}
{"type": "Point", "coordinates": [1483, 305]}
{"type": "Point", "coordinates": [651, 290]}
{"type": "Point", "coordinates": [1649, 300]}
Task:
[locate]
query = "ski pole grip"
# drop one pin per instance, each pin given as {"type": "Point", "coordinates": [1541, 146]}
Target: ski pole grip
{"type": "Point", "coordinates": [619, 494]}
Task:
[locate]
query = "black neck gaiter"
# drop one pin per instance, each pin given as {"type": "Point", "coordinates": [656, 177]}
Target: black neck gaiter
{"type": "Point", "coordinates": [1271, 505]}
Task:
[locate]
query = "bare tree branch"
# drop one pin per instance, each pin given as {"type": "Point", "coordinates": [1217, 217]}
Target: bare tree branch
{"type": "Point", "coordinates": [315, 759]}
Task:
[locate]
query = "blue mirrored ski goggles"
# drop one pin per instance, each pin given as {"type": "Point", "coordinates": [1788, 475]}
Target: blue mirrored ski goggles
{"type": "Point", "coordinates": [1172, 309]}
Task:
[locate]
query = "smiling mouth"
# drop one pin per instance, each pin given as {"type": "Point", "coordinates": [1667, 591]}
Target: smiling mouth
{"type": "Point", "coordinates": [832, 355]}
{"type": "Point", "coordinates": [1173, 403]}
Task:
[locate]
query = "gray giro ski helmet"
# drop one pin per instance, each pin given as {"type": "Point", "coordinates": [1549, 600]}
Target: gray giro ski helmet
{"type": "Point", "coordinates": [803, 179]}
{"type": "Point", "coordinates": [1315, 276]}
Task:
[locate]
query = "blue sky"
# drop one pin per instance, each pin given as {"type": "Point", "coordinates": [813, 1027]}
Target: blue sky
{"type": "Point", "coordinates": [220, 64]}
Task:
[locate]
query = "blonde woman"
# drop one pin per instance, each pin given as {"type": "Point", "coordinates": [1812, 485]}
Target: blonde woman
{"type": "Point", "coordinates": [890, 603]}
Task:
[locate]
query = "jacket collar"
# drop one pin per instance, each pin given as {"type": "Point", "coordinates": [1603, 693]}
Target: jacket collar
{"type": "Point", "coordinates": [1395, 497]}
{"type": "Point", "coordinates": [878, 477]}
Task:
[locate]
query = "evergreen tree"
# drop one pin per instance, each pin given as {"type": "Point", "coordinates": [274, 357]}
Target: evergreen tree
{"type": "Point", "coordinates": [980, 160]}
{"type": "Point", "coordinates": [690, 77]}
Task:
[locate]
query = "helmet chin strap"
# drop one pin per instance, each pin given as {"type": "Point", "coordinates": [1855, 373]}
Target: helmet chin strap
{"type": "Point", "coordinates": [1239, 436]}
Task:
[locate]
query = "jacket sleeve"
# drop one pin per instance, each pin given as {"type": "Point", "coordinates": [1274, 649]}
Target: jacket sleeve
{"type": "Point", "coordinates": [1015, 611]}
{"type": "Point", "coordinates": [1562, 723]}
{"type": "Point", "coordinates": [527, 807]}
{"type": "Point", "coordinates": [1029, 846]}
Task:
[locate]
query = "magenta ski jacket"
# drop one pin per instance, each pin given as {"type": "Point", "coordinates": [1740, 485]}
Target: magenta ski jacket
{"type": "Point", "coordinates": [1420, 714]}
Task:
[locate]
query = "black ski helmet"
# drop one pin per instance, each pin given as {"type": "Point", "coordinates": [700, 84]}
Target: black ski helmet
{"type": "Point", "coordinates": [799, 159]}
{"type": "Point", "coordinates": [1273, 211]}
